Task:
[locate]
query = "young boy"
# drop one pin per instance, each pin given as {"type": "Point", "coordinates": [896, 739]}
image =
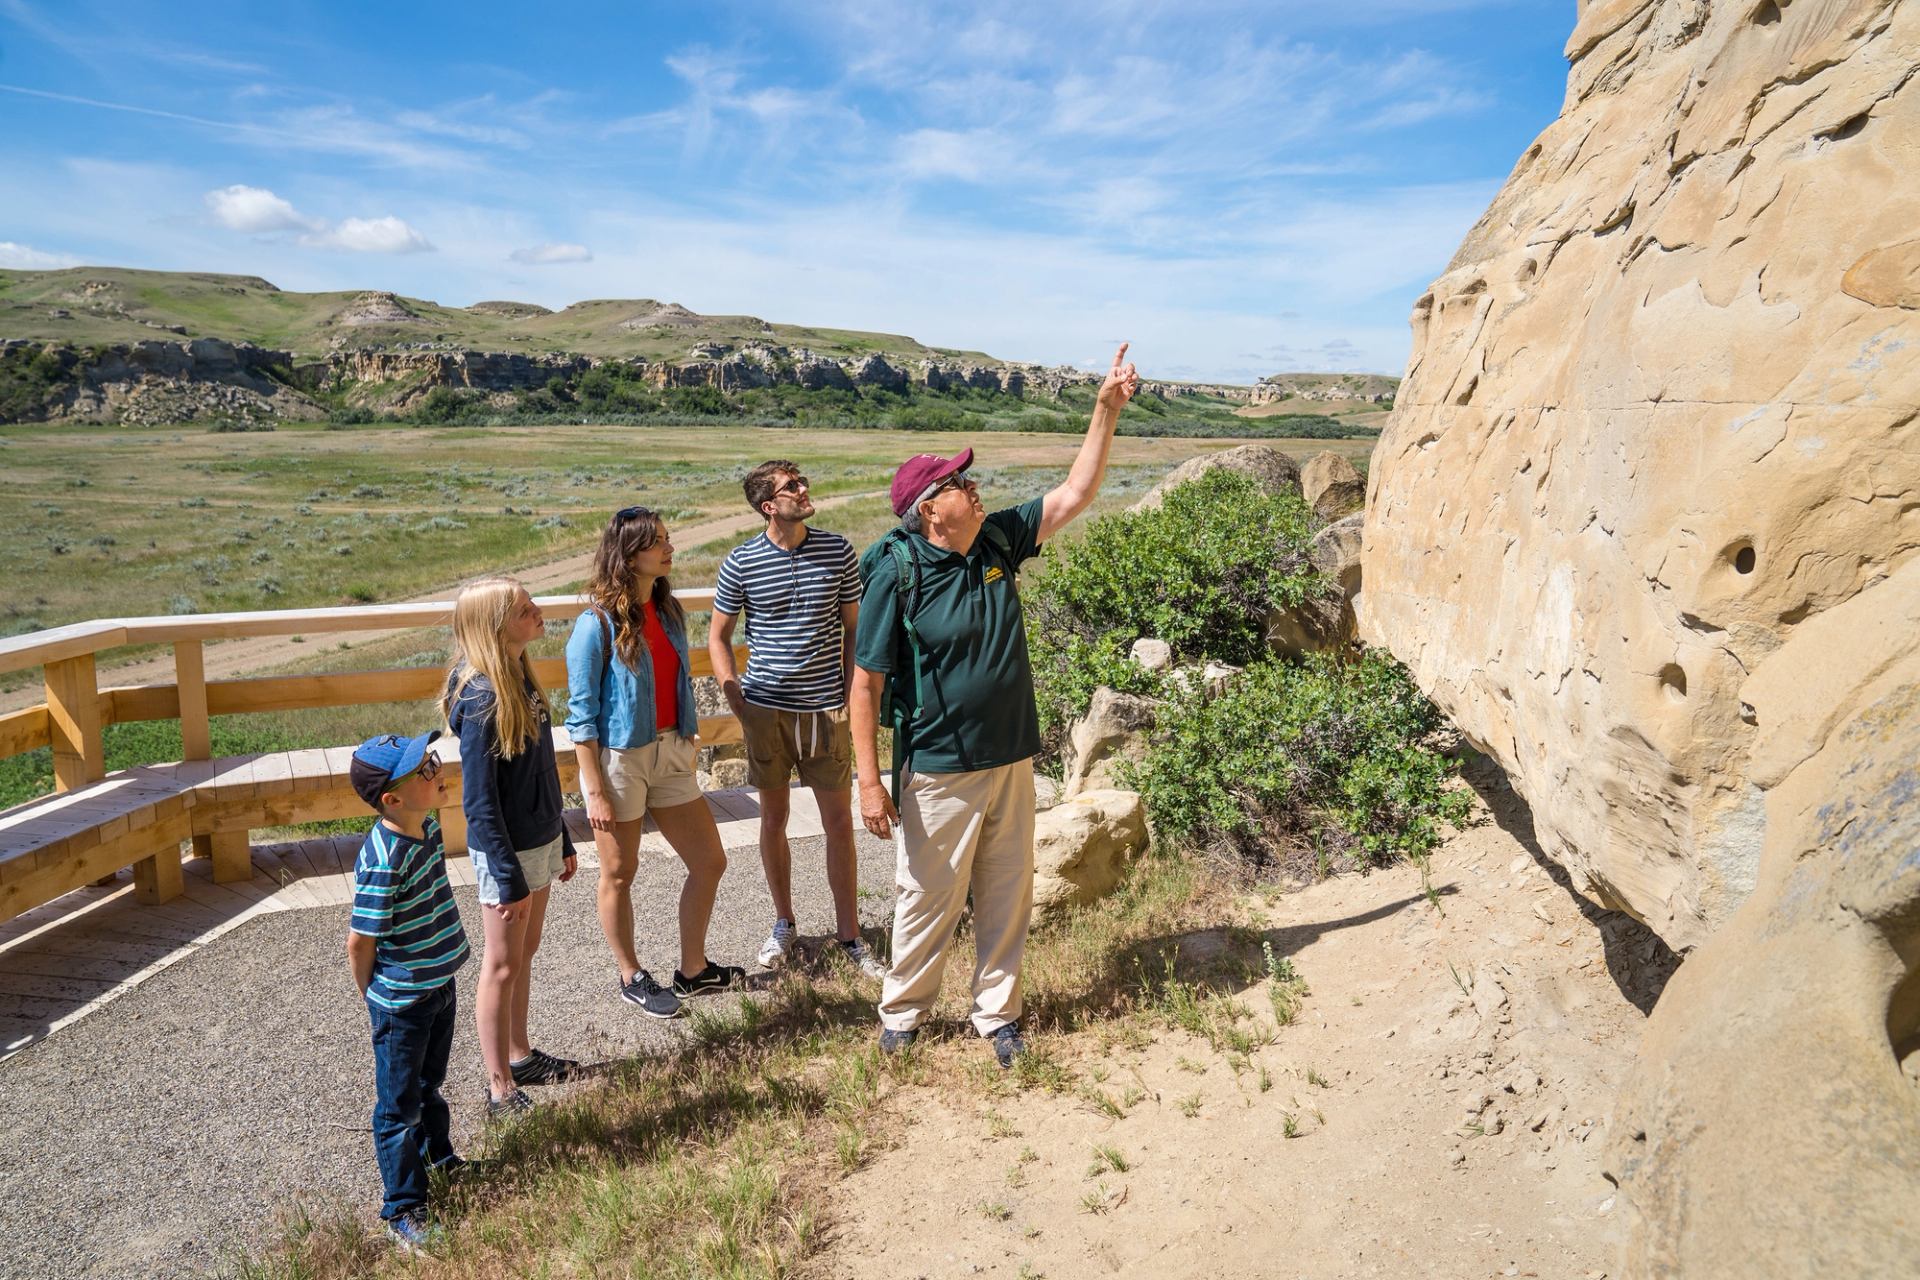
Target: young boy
{"type": "Point", "coordinates": [405, 941]}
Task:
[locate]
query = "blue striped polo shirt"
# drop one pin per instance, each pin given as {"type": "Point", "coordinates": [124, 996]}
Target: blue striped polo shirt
{"type": "Point", "coordinates": [792, 601]}
{"type": "Point", "coordinates": [402, 900]}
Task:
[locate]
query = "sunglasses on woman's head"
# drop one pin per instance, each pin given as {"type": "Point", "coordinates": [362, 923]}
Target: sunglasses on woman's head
{"type": "Point", "coordinates": [629, 513]}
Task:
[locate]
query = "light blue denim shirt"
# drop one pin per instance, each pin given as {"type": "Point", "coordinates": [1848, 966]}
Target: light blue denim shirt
{"type": "Point", "coordinates": [616, 709]}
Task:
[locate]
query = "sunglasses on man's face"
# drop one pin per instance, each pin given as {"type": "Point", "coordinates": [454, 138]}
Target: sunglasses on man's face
{"type": "Point", "coordinates": [958, 480]}
{"type": "Point", "coordinates": [797, 485]}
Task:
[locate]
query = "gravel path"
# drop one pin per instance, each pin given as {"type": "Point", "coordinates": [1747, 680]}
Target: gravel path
{"type": "Point", "coordinates": [156, 1137]}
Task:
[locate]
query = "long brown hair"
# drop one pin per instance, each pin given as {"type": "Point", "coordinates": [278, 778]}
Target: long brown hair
{"type": "Point", "coordinates": [631, 530]}
{"type": "Point", "coordinates": [480, 615]}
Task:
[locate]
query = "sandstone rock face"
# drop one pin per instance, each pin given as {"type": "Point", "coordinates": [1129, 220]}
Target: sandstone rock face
{"type": "Point", "coordinates": [1331, 486]}
{"type": "Point", "coordinates": [1114, 729]}
{"type": "Point", "coordinates": [1082, 846]}
{"type": "Point", "coordinates": [1660, 413]}
{"type": "Point", "coordinates": [1276, 472]}
{"type": "Point", "coordinates": [1769, 1128]}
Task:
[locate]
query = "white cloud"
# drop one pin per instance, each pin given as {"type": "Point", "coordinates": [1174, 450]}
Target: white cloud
{"type": "Point", "coordinates": [973, 156]}
{"type": "Point", "coordinates": [26, 258]}
{"type": "Point", "coordinates": [371, 235]}
{"type": "Point", "coordinates": [543, 255]}
{"type": "Point", "coordinates": [255, 211]}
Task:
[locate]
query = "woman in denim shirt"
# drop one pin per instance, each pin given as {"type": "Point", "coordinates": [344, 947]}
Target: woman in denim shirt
{"type": "Point", "coordinates": [631, 716]}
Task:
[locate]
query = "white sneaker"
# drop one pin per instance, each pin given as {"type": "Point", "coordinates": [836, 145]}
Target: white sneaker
{"type": "Point", "coordinates": [861, 956]}
{"type": "Point", "coordinates": [778, 948]}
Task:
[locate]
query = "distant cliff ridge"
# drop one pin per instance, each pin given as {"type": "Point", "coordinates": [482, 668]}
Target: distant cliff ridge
{"type": "Point", "coordinates": [81, 345]}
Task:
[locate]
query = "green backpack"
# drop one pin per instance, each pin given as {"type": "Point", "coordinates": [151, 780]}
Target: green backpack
{"type": "Point", "coordinates": [896, 545]}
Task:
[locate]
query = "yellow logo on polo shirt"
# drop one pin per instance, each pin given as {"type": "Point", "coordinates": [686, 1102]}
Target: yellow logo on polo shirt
{"type": "Point", "coordinates": [993, 575]}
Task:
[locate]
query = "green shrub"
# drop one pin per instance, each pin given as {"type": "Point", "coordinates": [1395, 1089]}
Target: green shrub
{"type": "Point", "coordinates": [1321, 760]}
{"type": "Point", "coordinates": [1201, 572]}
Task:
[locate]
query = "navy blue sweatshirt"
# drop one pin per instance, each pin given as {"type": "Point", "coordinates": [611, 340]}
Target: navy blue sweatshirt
{"type": "Point", "coordinates": [510, 804]}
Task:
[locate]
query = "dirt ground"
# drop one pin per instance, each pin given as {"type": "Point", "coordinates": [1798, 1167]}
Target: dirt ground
{"type": "Point", "coordinates": [1446, 1085]}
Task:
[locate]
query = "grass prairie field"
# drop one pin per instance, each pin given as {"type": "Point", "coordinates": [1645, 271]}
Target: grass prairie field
{"type": "Point", "coordinates": [114, 521]}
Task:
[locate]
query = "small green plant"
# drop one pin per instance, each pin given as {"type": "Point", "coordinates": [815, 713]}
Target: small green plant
{"type": "Point", "coordinates": [1266, 1079]}
{"type": "Point", "coordinates": [1190, 1105]}
{"type": "Point", "coordinates": [1315, 1079]}
{"type": "Point", "coordinates": [1189, 1065]}
{"type": "Point", "coordinates": [1105, 1157]}
{"type": "Point", "coordinates": [1289, 1126]}
{"type": "Point", "coordinates": [1285, 987]}
{"type": "Point", "coordinates": [1001, 1127]}
{"type": "Point", "coordinates": [994, 1211]}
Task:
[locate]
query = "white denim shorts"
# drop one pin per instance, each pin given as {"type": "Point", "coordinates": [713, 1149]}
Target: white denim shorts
{"type": "Point", "coordinates": [540, 866]}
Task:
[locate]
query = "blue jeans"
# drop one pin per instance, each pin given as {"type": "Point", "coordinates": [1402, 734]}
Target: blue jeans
{"type": "Point", "coordinates": [410, 1118]}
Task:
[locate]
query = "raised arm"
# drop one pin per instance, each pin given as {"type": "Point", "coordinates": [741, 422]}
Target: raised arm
{"type": "Point", "coordinates": [1076, 492]}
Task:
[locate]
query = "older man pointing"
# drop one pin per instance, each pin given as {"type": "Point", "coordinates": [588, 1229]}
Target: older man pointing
{"type": "Point", "coordinates": [941, 631]}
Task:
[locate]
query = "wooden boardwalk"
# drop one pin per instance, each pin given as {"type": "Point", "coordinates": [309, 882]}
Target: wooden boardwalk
{"type": "Point", "coordinates": [76, 955]}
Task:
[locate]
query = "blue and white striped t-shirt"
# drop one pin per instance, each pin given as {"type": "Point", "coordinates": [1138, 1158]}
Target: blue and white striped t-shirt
{"type": "Point", "coordinates": [402, 900]}
{"type": "Point", "coordinates": [792, 601]}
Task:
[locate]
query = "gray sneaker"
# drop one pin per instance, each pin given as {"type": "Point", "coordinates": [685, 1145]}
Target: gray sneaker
{"type": "Point", "coordinates": [778, 948]}
{"type": "Point", "coordinates": [654, 1000]}
{"type": "Point", "coordinates": [861, 956]}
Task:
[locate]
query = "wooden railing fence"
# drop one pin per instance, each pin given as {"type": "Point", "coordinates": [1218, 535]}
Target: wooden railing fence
{"type": "Point", "coordinates": [73, 719]}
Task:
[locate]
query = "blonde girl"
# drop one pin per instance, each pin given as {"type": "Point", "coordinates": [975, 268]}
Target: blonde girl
{"type": "Point", "coordinates": [631, 716]}
{"type": "Point", "coordinates": [510, 789]}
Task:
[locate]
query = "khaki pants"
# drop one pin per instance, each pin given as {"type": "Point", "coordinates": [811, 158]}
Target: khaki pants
{"type": "Point", "coordinates": [960, 832]}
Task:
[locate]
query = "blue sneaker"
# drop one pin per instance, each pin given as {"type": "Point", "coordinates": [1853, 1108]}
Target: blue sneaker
{"type": "Point", "coordinates": [415, 1233]}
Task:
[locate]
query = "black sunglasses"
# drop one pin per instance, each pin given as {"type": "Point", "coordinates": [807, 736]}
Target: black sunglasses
{"type": "Point", "coordinates": [795, 485]}
{"type": "Point", "coordinates": [628, 513]}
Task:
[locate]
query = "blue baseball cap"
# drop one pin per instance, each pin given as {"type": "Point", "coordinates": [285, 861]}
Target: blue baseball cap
{"type": "Point", "coordinates": [378, 761]}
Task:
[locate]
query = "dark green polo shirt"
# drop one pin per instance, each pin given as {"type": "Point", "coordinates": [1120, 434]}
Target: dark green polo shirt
{"type": "Point", "coordinates": [979, 711]}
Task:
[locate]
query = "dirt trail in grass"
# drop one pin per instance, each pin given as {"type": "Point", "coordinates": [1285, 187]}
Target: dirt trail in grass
{"type": "Point", "coordinates": [1446, 1083]}
{"type": "Point", "coordinates": [228, 658]}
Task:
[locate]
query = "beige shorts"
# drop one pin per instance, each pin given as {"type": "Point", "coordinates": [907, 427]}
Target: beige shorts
{"type": "Point", "coordinates": [817, 743]}
{"type": "Point", "coordinates": [656, 776]}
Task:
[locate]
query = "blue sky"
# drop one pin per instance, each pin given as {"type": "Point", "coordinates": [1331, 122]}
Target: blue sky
{"type": "Point", "coordinates": [1238, 189]}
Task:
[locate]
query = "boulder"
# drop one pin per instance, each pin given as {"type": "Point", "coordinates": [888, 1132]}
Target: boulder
{"type": "Point", "coordinates": [1659, 415]}
{"type": "Point", "coordinates": [1325, 622]}
{"type": "Point", "coordinates": [1331, 486]}
{"type": "Point", "coordinates": [874, 371]}
{"type": "Point", "coordinates": [1153, 655]}
{"type": "Point", "coordinates": [1114, 729]}
{"type": "Point", "coordinates": [1081, 848]}
{"type": "Point", "coordinates": [1276, 472]}
{"type": "Point", "coordinates": [1771, 1126]}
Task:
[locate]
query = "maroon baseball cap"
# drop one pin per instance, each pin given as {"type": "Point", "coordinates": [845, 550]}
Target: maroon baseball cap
{"type": "Point", "coordinates": [921, 470]}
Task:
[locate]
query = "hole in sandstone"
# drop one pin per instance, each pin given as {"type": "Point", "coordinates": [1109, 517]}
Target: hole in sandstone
{"type": "Point", "coordinates": [1673, 679]}
{"type": "Point", "coordinates": [1466, 395]}
{"type": "Point", "coordinates": [1744, 558]}
{"type": "Point", "coordinates": [1767, 14]}
{"type": "Point", "coordinates": [1848, 128]}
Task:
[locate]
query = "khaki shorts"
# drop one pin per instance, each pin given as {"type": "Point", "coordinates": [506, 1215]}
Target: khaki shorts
{"type": "Point", "coordinates": [817, 743]}
{"type": "Point", "coordinates": [656, 776]}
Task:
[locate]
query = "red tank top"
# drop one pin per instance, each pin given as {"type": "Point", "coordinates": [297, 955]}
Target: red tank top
{"type": "Point", "coordinates": [666, 671]}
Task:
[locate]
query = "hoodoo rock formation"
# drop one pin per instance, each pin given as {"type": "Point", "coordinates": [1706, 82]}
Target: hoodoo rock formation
{"type": "Point", "coordinates": [1644, 524]}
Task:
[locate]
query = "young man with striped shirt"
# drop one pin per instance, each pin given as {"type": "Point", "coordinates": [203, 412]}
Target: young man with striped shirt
{"type": "Point", "coordinates": [800, 591]}
{"type": "Point", "coordinates": [405, 942]}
